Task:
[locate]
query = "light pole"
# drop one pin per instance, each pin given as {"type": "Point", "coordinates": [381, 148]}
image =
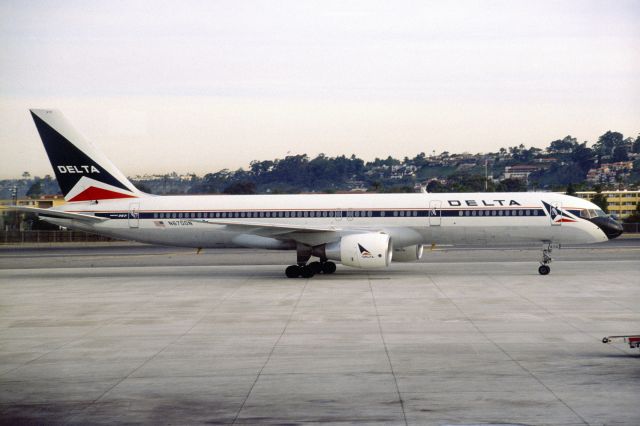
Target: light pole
{"type": "Point", "coordinates": [14, 198]}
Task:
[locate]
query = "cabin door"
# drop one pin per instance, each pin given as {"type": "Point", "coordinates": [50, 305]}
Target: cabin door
{"type": "Point", "coordinates": [435, 212]}
{"type": "Point", "coordinates": [556, 214]}
{"type": "Point", "coordinates": [134, 215]}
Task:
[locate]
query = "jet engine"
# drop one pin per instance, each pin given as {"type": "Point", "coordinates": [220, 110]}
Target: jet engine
{"type": "Point", "coordinates": [359, 250]}
{"type": "Point", "coordinates": [407, 254]}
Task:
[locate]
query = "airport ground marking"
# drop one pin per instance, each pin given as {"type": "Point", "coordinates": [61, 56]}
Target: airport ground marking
{"type": "Point", "coordinates": [501, 349]}
{"type": "Point", "coordinates": [386, 350]}
{"type": "Point", "coordinates": [284, 329]}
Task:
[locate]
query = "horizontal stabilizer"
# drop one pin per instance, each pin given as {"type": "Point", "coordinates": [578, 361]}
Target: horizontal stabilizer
{"type": "Point", "coordinates": [58, 214]}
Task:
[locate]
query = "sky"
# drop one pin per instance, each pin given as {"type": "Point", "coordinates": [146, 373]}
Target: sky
{"type": "Point", "coordinates": [198, 86]}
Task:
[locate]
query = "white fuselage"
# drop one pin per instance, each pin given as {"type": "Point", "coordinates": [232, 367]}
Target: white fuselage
{"type": "Point", "coordinates": [454, 218]}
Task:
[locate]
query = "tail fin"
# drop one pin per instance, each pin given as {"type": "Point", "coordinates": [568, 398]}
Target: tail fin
{"type": "Point", "coordinates": [83, 173]}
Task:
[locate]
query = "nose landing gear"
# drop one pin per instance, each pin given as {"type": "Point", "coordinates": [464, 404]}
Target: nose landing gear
{"type": "Point", "coordinates": [544, 268]}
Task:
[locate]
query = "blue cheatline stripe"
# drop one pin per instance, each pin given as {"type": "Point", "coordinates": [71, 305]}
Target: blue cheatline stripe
{"type": "Point", "coordinates": [313, 214]}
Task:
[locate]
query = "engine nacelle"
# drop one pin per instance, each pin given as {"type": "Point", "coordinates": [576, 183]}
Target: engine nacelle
{"type": "Point", "coordinates": [407, 254]}
{"type": "Point", "coordinates": [361, 250]}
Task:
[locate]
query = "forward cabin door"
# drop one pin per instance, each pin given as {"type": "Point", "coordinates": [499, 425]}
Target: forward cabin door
{"type": "Point", "coordinates": [435, 212]}
{"type": "Point", "coordinates": [556, 214]}
{"type": "Point", "coordinates": [556, 221]}
{"type": "Point", "coordinates": [134, 215]}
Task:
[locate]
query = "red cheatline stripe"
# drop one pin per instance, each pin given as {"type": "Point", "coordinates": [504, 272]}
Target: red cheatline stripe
{"type": "Point", "coordinates": [93, 193]}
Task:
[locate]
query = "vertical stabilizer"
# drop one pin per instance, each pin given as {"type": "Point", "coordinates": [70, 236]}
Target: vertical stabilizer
{"type": "Point", "coordinates": [83, 172]}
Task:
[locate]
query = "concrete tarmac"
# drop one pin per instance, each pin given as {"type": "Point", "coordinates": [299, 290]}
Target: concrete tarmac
{"type": "Point", "coordinates": [130, 333]}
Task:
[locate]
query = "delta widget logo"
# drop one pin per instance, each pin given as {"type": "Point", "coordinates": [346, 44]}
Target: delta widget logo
{"type": "Point", "coordinates": [364, 252]}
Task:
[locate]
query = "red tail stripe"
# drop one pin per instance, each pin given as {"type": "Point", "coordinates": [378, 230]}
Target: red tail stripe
{"type": "Point", "coordinates": [93, 193]}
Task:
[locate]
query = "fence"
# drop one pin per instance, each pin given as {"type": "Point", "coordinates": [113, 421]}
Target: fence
{"type": "Point", "coordinates": [7, 237]}
{"type": "Point", "coordinates": [631, 228]}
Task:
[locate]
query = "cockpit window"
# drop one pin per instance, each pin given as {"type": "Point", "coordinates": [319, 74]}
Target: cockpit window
{"type": "Point", "coordinates": [591, 213]}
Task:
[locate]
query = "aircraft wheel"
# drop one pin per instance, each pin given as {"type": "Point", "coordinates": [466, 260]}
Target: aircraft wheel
{"type": "Point", "coordinates": [544, 270]}
{"type": "Point", "coordinates": [292, 271]}
{"type": "Point", "coordinates": [316, 267]}
{"type": "Point", "coordinates": [306, 272]}
{"type": "Point", "coordinates": [328, 268]}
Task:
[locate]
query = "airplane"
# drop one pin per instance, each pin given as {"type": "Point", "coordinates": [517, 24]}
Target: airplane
{"type": "Point", "coordinates": [357, 230]}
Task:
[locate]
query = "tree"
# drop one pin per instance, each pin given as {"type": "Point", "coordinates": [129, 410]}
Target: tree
{"type": "Point", "coordinates": [583, 157]}
{"type": "Point", "coordinates": [511, 185]}
{"type": "Point", "coordinates": [35, 190]}
{"type": "Point", "coordinates": [620, 154]}
{"type": "Point", "coordinates": [435, 185]}
{"type": "Point", "coordinates": [607, 142]}
{"type": "Point", "coordinates": [376, 186]}
{"type": "Point", "coordinates": [244, 187]}
{"type": "Point", "coordinates": [563, 145]}
{"type": "Point", "coordinates": [635, 148]}
{"type": "Point", "coordinates": [600, 200]}
{"type": "Point", "coordinates": [570, 189]}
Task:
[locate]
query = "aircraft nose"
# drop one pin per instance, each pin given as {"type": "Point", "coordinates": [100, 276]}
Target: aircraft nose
{"type": "Point", "coordinates": [611, 227]}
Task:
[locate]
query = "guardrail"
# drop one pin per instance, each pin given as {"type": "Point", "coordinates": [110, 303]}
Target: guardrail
{"type": "Point", "coordinates": [8, 237]}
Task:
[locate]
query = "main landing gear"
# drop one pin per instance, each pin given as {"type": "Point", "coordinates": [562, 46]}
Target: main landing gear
{"type": "Point", "coordinates": [544, 268]}
{"type": "Point", "coordinates": [308, 270]}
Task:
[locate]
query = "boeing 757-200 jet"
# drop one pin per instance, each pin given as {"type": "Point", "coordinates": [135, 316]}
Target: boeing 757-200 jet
{"type": "Point", "coordinates": [357, 230]}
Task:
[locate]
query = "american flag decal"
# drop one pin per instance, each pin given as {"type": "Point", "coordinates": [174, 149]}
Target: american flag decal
{"type": "Point", "coordinates": [158, 223]}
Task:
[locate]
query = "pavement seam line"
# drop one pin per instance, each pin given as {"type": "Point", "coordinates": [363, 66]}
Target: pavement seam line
{"type": "Point", "coordinates": [559, 316]}
{"type": "Point", "coordinates": [151, 358]}
{"type": "Point", "coordinates": [284, 329]}
{"type": "Point", "coordinates": [525, 369]}
{"type": "Point", "coordinates": [386, 351]}
{"type": "Point", "coordinates": [73, 340]}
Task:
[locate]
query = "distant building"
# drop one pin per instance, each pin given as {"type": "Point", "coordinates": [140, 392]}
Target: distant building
{"type": "Point", "coordinates": [607, 173]}
{"type": "Point", "coordinates": [43, 202]}
{"type": "Point", "coordinates": [521, 171]}
{"type": "Point", "coordinates": [621, 203]}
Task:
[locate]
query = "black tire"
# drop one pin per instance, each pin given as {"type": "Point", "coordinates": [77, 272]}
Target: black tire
{"type": "Point", "coordinates": [292, 271]}
{"type": "Point", "coordinates": [306, 272]}
{"type": "Point", "coordinates": [328, 268]}
{"type": "Point", "coordinates": [544, 270]}
{"type": "Point", "coordinates": [316, 267]}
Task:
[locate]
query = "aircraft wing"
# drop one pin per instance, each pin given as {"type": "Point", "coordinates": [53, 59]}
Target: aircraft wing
{"type": "Point", "coordinates": [269, 229]}
{"type": "Point", "coordinates": [59, 214]}
{"type": "Point", "coordinates": [310, 235]}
